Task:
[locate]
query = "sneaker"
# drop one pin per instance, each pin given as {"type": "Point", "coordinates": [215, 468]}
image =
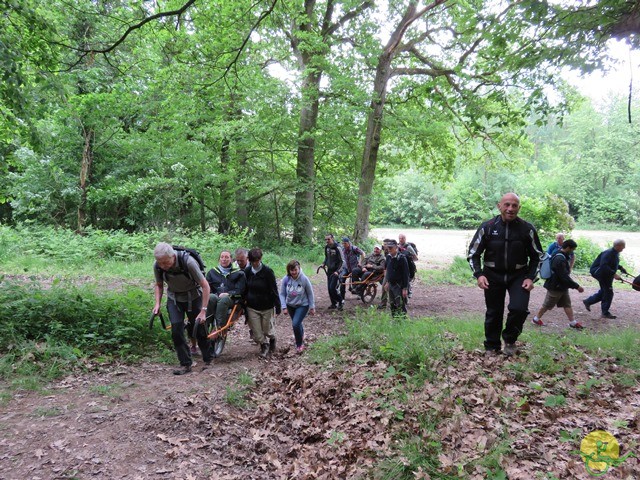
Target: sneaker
{"type": "Point", "coordinates": [341, 305]}
{"type": "Point", "coordinates": [586, 305]}
{"type": "Point", "coordinates": [264, 349]}
{"type": "Point", "coordinates": [272, 345]}
{"type": "Point", "coordinates": [576, 325]}
{"type": "Point", "coordinates": [194, 350]}
{"type": "Point", "coordinates": [608, 315]}
{"type": "Point", "coordinates": [184, 370]}
{"type": "Point", "coordinates": [382, 307]}
{"type": "Point", "coordinates": [510, 349]}
{"type": "Point", "coordinates": [300, 349]}
{"type": "Point", "coordinates": [332, 307]}
{"type": "Point", "coordinates": [536, 321]}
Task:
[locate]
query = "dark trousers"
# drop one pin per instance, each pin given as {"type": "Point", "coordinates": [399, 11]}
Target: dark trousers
{"type": "Point", "coordinates": [518, 307]}
{"type": "Point", "coordinates": [332, 285]}
{"type": "Point", "coordinates": [177, 312]}
{"type": "Point", "coordinates": [604, 295]}
{"type": "Point", "coordinates": [397, 302]}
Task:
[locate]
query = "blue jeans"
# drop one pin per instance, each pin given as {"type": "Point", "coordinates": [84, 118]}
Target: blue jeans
{"type": "Point", "coordinates": [604, 295]}
{"type": "Point", "coordinates": [297, 315]}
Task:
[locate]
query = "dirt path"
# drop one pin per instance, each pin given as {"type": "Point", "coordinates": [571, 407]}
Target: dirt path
{"type": "Point", "coordinates": [135, 422]}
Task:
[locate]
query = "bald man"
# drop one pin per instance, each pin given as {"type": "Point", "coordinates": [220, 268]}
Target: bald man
{"type": "Point", "coordinates": [505, 255]}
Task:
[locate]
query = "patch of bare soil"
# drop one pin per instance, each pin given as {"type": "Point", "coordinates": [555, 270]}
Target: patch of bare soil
{"type": "Point", "coordinates": [303, 422]}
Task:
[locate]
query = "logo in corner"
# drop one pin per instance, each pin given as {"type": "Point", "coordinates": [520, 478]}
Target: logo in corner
{"type": "Point", "coordinates": [600, 451]}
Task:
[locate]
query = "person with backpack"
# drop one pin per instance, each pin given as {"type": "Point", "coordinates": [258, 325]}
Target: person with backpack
{"type": "Point", "coordinates": [261, 297]}
{"type": "Point", "coordinates": [396, 280]}
{"type": "Point", "coordinates": [410, 251]}
{"type": "Point", "coordinates": [555, 247]}
{"type": "Point", "coordinates": [604, 269]}
{"type": "Point", "coordinates": [558, 285]}
{"type": "Point", "coordinates": [333, 261]}
{"type": "Point", "coordinates": [186, 287]}
{"type": "Point", "coordinates": [353, 259]}
{"type": "Point", "coordinates": [504, 255]}
{"type": "Point", "coordinates": [297, 299]}
{"type": "Point", "coordinates": [227, 284]}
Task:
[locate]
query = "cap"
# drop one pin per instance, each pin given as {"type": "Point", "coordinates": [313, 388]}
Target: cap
{"type": "Point", "coordinates": [392, 243]}
{"type": "Point", "coordinates": [346, 239]}
{"type": "Point", "coordinates": [378, 247]}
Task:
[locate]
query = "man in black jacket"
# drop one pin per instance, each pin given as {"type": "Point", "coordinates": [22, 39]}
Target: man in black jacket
{"type": "Point", "coordinates": [504, 255]}
{"type": "Point", "coordinates": [396, 280]}
{"type": "Point", "coordinates": [334, 261]}
{"type": "Point", "coordinates": [558, 285]}
{"type": "Point", "coordinates": [604, 269]}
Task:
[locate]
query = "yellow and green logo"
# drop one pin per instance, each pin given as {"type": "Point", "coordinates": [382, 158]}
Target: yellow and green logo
{"type": "Point", "coordinates": [600, 451]}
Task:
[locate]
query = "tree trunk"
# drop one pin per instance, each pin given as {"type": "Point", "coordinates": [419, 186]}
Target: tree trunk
{"type": "Point", "coordinates": [371, 147]}
{"type": "Point", "coordinates": [305, 168]}
{"type": "Point", "coordinates": [85, 174]}
{"type": "Point", "coordinates": [374, 119]}
{"type": "Point", "coordinates": [224, 200]}
{"type": "Point", "coordinates": [242, 213]}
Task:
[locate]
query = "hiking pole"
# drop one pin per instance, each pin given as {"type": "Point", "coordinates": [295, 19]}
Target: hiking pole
{"type": "Point", "coordinates": [159, 314]}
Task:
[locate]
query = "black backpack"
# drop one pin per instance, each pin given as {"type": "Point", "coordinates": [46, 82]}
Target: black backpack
{"type": "Point", "coordinates": [183, 254]}
{"type": "Point", "coordinates": [412, 265]}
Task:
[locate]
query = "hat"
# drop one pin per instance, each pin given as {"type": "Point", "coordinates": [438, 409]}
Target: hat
{"type": "Point", "coordinates": [392, 243]}
{"type": "Point", "coordinates": [377, 246]}
{"type": "Point", "coordinates": [346, 239]}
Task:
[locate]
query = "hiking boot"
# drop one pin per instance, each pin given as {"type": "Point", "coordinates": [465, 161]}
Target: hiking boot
{"type": "Point", "coordinates": [576, 325]}
{"type": "Point", "coordinates": [536, 321]}
{"type": "Point", "coordinates": [194, 350]}
{"type": "Point", "coordinates": [586, 305]}
{"type": "Point", "coordinates": [272, 345]}
{"type": "Point", "coordinates": [382, 307]}
{"type": "Point", "coordinates": [491, 353]}
{"type": "Point", "coordinates": [341, 305]}
{"type": "Point", "coordinates": [608, 315]}
{"type": "Point", "coordinates": [184, 370]}
{"type": "Point", "coordinates": [264, 349]}
{"type": "Point", "coordinates": [510, 349]}
{"type": "Point", "coordinates": [333, 306]}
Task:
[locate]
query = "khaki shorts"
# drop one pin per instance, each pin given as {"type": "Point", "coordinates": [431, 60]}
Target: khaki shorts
{"type": "Point", "coordinates": [557, 298]}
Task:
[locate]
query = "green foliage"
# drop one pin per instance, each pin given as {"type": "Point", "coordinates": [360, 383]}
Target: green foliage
{"type": "Point", "coordinates": [549, 215]}
{"type": "Point", "coordinates": [458, 273]}
{"type": "Point", "coordinates": [586, 253]}
{"type": "Point", "coordinates": [80, 319]}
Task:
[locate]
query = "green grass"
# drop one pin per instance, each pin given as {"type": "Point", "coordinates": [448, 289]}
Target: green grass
{"type": "Point", "coordinates": [236, 395]}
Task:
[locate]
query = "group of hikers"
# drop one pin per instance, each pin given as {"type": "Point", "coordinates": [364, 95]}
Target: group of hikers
{"type": "Point", "coordinates": [247, 280]}
{"type": "Point", "coordinates": [392, 264]}
{"type": "Point", "coordinates": [197, 300]}
{"type": "Point", "coordinates": [505, 255]}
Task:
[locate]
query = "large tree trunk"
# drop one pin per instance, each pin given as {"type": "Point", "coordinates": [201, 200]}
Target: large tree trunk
{"type": "Point", "coordinates": [85, 175]}
{"type": "Point", "coordinates": [305, 168]}
{"type": "Point", "coordinates": [371, 146]}
{"type": "Point", "coordinates": [374, 119]}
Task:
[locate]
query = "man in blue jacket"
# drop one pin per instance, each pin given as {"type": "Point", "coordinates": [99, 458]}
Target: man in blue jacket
{"type": "Point", "coordinates": [604, 269]}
